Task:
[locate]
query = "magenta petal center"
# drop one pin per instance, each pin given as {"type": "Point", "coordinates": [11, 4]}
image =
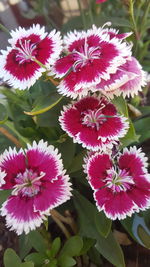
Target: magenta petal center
{"type": "Point", "coordinates": [94, 118]}
{"type": "Point", "coordinates": [118, 180]}
{"type": "Point", "coordinates": [25, 51]}
{"type": "Point", "coordinates": [85, 56]}
{"type": "Point", "coordinates": [28, 183]}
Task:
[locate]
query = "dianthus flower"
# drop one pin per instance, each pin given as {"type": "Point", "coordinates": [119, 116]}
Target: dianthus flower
{"type": "Point", "coordinates": [90, 57]}
{"type": "Point", "coordinates": [93, 122]}
{"type": "Point", "coordinates": [122, 185]}
{"type": "Point", "coordinates": [18, 64]}
{"type": "Point", "coordinates": [128, 80]}
{"type": "Point", "coordinates": [38, 183]}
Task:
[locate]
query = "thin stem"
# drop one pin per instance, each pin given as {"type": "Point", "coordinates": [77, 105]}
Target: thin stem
{"type": "Point", "coordinates": [61, 225]}
{"type": "Point", "coordinates": [10, 137]}
{"type": "Point", "coordinates": [82, 14]}
{"type": "Point", "coordinates": [90, 12]}
{"type": "Point", "coordinates": [4, 29]}
{"type": "Point", "coordinates": [131, 12]}
{"type": "Point", "coordinates": [39, 63]}
{"type": "Point", "coordinates": [68, 219]}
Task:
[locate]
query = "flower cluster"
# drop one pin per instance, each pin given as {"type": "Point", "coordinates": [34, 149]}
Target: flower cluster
{"type": "Point", "coordinates": [92, 66]}
{"type": "Point", "coordinates": [38, 183]}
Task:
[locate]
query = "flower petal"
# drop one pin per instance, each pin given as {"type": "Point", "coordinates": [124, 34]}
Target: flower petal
{"type": "Point", "coordinates": [53, 194]}
{"type": "Point", "coordinates": [12, 163]}
{"type": "Point", "coordinates": [96, 169]}
{"type": "Point", "coordinates": [20, 215]}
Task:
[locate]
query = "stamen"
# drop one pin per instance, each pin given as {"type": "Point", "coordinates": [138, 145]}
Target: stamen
{"type": "Point", "coordinates": [85, 55]}
{"type": "Point", "coordinates": [27, 183]}
{"type": "Point", "coordinates": [26, 51]}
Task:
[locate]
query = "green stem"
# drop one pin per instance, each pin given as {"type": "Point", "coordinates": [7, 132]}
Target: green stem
{"type": "Point", "coordinates": [131, 12]}
{"type": "Point", "coordinates": [82, 14]}
{"type": "Point", "coordinates": [90, 12]}
{"type": "Point", "coordinates": [39, 63]}
{"type": "Point", "coordinates": [4, 29]}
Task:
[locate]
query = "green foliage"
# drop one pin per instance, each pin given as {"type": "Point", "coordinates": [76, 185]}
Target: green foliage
{"type": "Point", "coordinates": [3, 114]}
{"type": "Point", "coordinates": [11, 259]}
{"type": "Point", "coordinates": [107, 246]}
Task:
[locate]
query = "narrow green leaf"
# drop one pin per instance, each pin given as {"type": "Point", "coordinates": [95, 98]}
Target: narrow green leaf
{"type": "Point", "coordinates": [103, 224]}
{"type": "Point", "coordinates": [11, 259]}
{"type": "Point", "coordinates": [37, 241]}
{"type": "Point", "coordinates": [3, 114]}
{"type": "Point", "coordinates": [130, 137]}
{"type": "Point", "coordinates": [24, 245]}
{"type": "Point", "coordinates": [121, 105]}
{"type": "Point", "coordinates": [22, 139]}
{"type": "Point", "coordinates": [142, 127]}
{"type": "Point", "coordinates": [44, 104]}
{"type": "Point", "coordinates": [55, 247]}
{"type": "Point", "coordinates": [77, 162]}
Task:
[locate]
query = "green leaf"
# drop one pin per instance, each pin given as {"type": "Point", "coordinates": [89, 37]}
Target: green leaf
{"type": "Point", "coordinates": [37, 241]}
{"type": "Point", "coordinates": [130, 137]}
{"type": "Point", "coordinates": [108, 246]}
{"type": "Point", "coordinates": [103, 224]}
{"type": "Point", "coordinates": [77, 162]}
{"type": "Point", "coordinates": [11, 259]}
{"type": "Point", "coordinates": [121, 105]}
{"type": "Point", "coordinates": [3, 114]}
{"type": "Point", "coordinates": [44, 103]}
{"type": "Point", "coordinates": [22, 139]}
{"type": "Point", "coordinates": [55, 247]}
{"type": "Point", "coordinates": [142, 127]}
{"type": "Point", "coordinates": [87, 244]}
{"type": "Point", "coordinates": [4, 195]}
{"type": "Point", "coordinates": [27, 264]}
{"type": "Point", "coordinates": [67, 150]}
{"type": "Point", "coordinates": [72, 246]}
{"type": "Point", "coordinates": [66, 261]}
{"type": "Point", "coordinates": [24, 245]}
{"type": "Point", "coordinates": [37, 258]}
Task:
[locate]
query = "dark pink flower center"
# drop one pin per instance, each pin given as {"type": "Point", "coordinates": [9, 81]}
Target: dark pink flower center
{"type": "Point", "coordinates": [26, 51]}
{"type": "Point", "coordinates": [94, 118]}
{"type": "Point", "coordinates": [28, 183]}
{"type": "Point", "coordinates": [118, 181]}
{"type": "Point", "coordinates": [85, 55]}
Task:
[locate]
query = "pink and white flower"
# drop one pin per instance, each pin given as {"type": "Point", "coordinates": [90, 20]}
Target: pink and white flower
{"type": "Point", "coordinates": [18, 66]}
{"type": "Point", "coordinates": [93, 122]}
{"type": "Point", "coordinates": [128, 80]}
{"type": "Point", "coordinates": [121, 186]}
{"type": "Point", "coordinates": [90, 57]}
{"type": "Point", "coordinates": [38, 183]}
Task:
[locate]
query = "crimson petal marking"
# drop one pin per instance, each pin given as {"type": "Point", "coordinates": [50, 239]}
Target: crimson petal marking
{"type": "Point", "coordinates": [12, 163]}
{"type": "Point", "coordinates": [96, 169]}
